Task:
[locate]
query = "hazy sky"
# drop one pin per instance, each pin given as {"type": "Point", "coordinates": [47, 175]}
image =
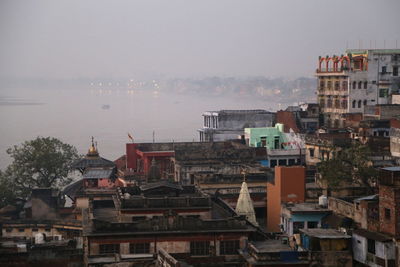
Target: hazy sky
{"type": "Point", "coordinates": [69, 39]}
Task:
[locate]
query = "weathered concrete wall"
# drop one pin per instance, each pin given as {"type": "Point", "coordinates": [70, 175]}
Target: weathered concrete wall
{"type": "Point", "coordinates": [359, 248]}
{"type": "Point", "coordinates": [341, 207]}
{"type": "Point", "coordinates": [389, 199]}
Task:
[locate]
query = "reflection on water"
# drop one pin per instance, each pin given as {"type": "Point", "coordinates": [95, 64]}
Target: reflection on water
{"type": "Point", "coordinates": [75, 115]}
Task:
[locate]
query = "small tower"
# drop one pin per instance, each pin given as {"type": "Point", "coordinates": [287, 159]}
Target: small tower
{"type": "Point", "coordinates": [244, 204]}
{"type": "Point", "coordinates": [92, 150]}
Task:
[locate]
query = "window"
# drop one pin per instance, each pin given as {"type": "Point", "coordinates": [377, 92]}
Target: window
{"type": "Point", "coordinates": [282, 162]}
{"type": "Point", "coordinates": [200, 248]}
{"type": "Point", "coordinates": [139, 248]}
{"type": "Point", "coordinates": [344, 86]}
{"type": "Point", "coordinates": [108, 248]}
{"type": "Point", "coordinates": [321, 85]}
{"type": "Point", "coordinates": [8, 230]}
{"type": "Point", "coordinates": [263, 141]}
{"type": "Point", "coordinates": [297, 226]}
{"type": "Point", "coordinates": [354, 85]}
{"type": "Point", "coordinates": [395, 71]}
{"type": "Point", "coordinates": [276, 142]}
{"type": "Point", "coordinates": [229, 247]}
{"type": "Point", "coordinates": [359, 103]}
{"type": "Point", "coordinates": [359, 85]}
{"type": "Point", "coordinates": [311, 152]}
{"type": "Point", "coordinates": [35, 229]}
{"type": "Point", "coordinates": [273, 163]}
{"type": "Point", "coordinates": [383, 92]}
{"type": "Point", "coordinates": [353, 104]}
{"type": "Point", "coordinates": [365, 102]}
{"type": "Point", "coordinates": [47, 229]}
{"type": "Point", "coordinates": [322, 103]}
{"type": "Point", "coordinates": [138, 218]}
{"type": "Point", "coordinates": [329, 85]}
{"type": "Point", "coordinates": [344, 104]}
{"type": "Point", "coordinates": [365, 85]}
{"type": "Point", "coordinates": [329, 103]}
{"type": "Point", "coordinates": [292, 162]}
{"type": "Point", "coordinates": [384, 69]}
{"type": "Point", "coordinates": [337, 86]}
{"type": "Point", "coordinates": [371, 246]}
{"type": "Point", "coordinates": [387, 214]}
{"type": "Point", "coordinates": [312, 225]}
{"type": "Point", "coordinates": [21, 230]}
{"type": "Point", "coordinates": [337, 103]}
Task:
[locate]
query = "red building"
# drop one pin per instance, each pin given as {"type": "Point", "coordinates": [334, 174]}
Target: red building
{"type": "Point", "coordinates": [141, 157]}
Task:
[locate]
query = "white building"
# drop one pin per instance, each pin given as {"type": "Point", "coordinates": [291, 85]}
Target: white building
{"type": "Point", "coordinates": [348, 83]}
{"type": "Point", "coordinates": [229, 124]}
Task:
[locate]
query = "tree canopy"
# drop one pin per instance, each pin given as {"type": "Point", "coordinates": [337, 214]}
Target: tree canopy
{"type": "Point", "coordinates": [350, 165]}
{"type": "Point", "coordinates": [42, 162]}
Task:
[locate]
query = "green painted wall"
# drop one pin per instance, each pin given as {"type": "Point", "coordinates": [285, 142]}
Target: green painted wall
{"type": "Point", "coordinates": [268, 133]}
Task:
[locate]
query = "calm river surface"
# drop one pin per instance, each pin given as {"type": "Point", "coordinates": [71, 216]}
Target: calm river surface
{"type": "Point", "coordinates": [75, 115]}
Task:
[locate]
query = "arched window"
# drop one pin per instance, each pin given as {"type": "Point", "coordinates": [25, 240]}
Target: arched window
{"type": "Point", "coordinates": [354, 85]}
{"type": "Point", "coordinates": [365, 85]}
{"type": "Point", "coordinates": [365, 102]}
{"type": "Point", "coordinates": [344, 85]}
{"type": "Point", "coordinates": [359, 103]}
{"type": "Point", "coordinates": [359, 85]}
{"type": "Point", "coordinates": [337, 86]}
{"type": "Point", "coordinates": [354, 104]}
{"type": "Point", "coordinates": [321, 85]}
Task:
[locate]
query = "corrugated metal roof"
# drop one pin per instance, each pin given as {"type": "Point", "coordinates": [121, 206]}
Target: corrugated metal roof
{"type": "Point", "coordinates": [372, 197]}
{"type": "Point", "coordinates": [324, 233]}
{"type": "Point", "coordinates": [392, 169]}
{"type": "Point", "coordinates": [97, 173]}
{"type": "Point", "coordinates": [372, 235]}
{"type": "Point", "coordinates": [92, 162]}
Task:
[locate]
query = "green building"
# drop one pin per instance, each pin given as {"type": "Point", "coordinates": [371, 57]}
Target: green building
{"type": "Point", "coordinates": [269, 137]}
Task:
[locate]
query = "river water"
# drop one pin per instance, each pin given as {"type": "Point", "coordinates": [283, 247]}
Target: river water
{"type": "Point", "coordinates": [74, 115]}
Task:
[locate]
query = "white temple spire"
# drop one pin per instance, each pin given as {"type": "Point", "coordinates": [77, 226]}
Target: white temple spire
{"type": "Point", "coordinates": [244, 204]}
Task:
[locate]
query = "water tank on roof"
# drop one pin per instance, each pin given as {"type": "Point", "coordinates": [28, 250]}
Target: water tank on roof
{"type": "Point", "coordinates": [323, 201]}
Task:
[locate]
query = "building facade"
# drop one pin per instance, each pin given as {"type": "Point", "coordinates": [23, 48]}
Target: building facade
{"type": "Point", "coordinates": [348, 83]}
{"type": "Point", "coordinates": [229, 124]}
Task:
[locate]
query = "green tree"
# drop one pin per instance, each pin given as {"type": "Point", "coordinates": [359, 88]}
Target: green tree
{"type": "Point", "coordinates": [7, 191]}
{"type": "Point", "coordinates": [349, 166]}
{"type": "Point", "coordinates": [42, 162]}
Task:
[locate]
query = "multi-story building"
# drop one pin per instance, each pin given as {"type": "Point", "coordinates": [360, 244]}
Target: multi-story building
{"type": "Point", "coordinates": [282, 149]}
{"type": "Point", "coordinates": [348, 83]}
{"type": "Point", "coordinates": [229, 124]}
{"type": "Point", "coordinates": [178, 220]}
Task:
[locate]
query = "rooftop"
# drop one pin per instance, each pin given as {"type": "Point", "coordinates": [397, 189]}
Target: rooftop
{"type": "Point", "coordinates": [372, 235]}
{"type": "Point", "coordinates": [270, 245]}
{"type": "Point", "coordinates": [305, 207]}
{"type": "Point", "coordinates": [392, 169]}
{"type": "Point", "coordinates": [98, 173]}
{"type": "Point", "coordinates": [325, 233]}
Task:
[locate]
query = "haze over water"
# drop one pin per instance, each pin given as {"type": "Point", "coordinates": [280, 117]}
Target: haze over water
{"type": "Point", "coordinates": [74, 115]}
